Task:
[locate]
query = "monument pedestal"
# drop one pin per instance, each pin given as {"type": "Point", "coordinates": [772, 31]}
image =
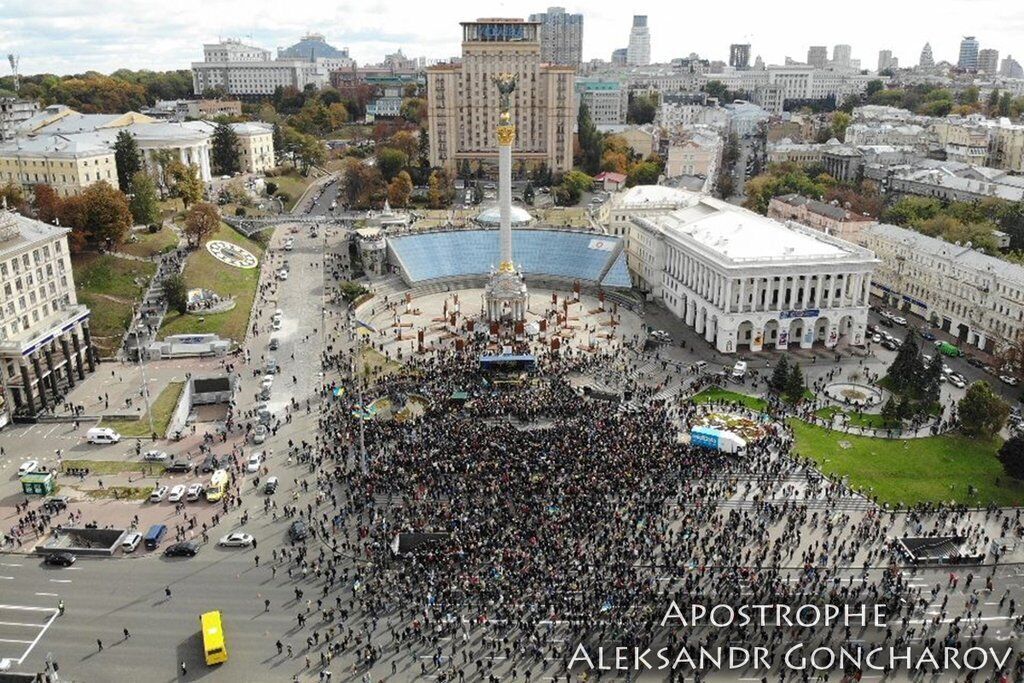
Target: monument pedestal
{"type": "Point", "coordinates": [505, 297]}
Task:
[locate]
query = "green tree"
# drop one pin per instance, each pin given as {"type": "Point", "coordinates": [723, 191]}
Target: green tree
{"type": "Point", "coordinates": [1011, 455]}
{"type": "Point", "coordinates": [127, 159]}
{"type": "Point", "coordinates": [311, 152]}
{"type": "Point", "coordinates": [145, 203]}
{"type": "Point", "coordinates": [931, 380]}
{"type": "Point", "coordinates": [795, 384]}
{"type": "Point", "coordinates": [590, 141]}
{"type": "Point", "coordinates": [911, 210]}
{"type": "Point", "coordinates": [177, 293]}
{"type": "Point", "coordinates": [905, 373]}
{"type": "Point", "coordinates": [641, 109]}
{"type": "Point", "coordinates": [186, 184]}
{"type": "Point", "coordinates": [840, 121]}
{"type": "Point", "coordinates": [780, 375]}
{"type": "Point", "coordinates": [529, 193]}
{"type": "Point", "coordinates": [574, 184]}
{"type": "Point", "coordinates": [890, 411]}
{"type": "Point", "coordinates": [873, 87]}
{"type": "Point", "coordinates": [390, 161]}
{"type": "Point", "coordinates": [224, 150]}
{"type": "Point", "coordinates": [981, 412]}
{"type": "Point", "coordinates": [644, 173]}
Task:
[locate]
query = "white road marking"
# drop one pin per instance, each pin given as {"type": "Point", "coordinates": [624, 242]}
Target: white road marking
{"type": "Point", "coordinates": [38, 637]}
{"type": "Point", "coordinates": [10, 564]}
{"type": "Point", "coordinates": [23, 642]}
{"type": "Point", "coordinates": [15, 623]}
{"type": "Point", "coordinates": [60, 580]}
{"type": "Point", "coordinates": [8, 578]}
{"type": "Point", "coordinates": [49, 595]}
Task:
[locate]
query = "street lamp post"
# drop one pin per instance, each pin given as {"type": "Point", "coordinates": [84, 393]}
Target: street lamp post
{"type": "Point", "coordinates": [145, 386]}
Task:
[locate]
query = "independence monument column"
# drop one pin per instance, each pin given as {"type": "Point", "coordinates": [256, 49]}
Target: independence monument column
{"type": "Point", "coordinates": [506, 291]}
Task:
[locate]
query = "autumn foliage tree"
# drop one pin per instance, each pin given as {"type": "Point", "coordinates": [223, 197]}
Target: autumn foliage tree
{"type": "Point", "coordinates": [201, 221]}
{"type": "Point", "coordinates": [98, 217]}
{"type": "Point", "coordinates": [400, 189]}
{"type": "Point", "coordinates": [46, 203]}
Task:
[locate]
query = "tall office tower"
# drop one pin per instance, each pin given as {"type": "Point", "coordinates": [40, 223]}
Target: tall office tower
{"type": "Point", "coordinates": [639, 51]}
{"type": "Point", "coordinates": [817, 56]}
{"type": "Point", "coordinates": [462, 102]}
{"type": "Point", "coordinates": [988, 61]}
{"type": "Point", "coordinates": [886, 61]}
{"type": "Point", "coordinates": [926, 61]}
{"type": "Point", "coordinates": [739, 55]}
{"type": "Point", "coordinates": [1011, 68]}
{"type": "Point", "coordinates": [968, 54]}
{"type": "Point", "coordinates": [841, 55]}
{"type": "Point", "coordinates": [561, 36]}
{"type": "Point", "coordinates": [619, 56]}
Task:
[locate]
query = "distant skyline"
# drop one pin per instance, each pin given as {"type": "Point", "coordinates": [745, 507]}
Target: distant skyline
{"type": "Point", "coordinates": [73, 36]}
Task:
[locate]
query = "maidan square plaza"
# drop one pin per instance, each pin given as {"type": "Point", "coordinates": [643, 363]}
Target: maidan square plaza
{"type": "Point", "coordinates": [520, 364]}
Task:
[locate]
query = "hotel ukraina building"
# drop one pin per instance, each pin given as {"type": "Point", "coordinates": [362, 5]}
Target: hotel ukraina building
{"type": "Point", "coordinates": [743, 281]}
{"type": "Point", "coordinates": [45, 347]}
{"type": "Point", "coordinates": [462, 100]}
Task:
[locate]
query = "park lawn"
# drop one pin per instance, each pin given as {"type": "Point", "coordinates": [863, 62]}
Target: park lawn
{"type": "Point", "coordinates": [111, 276]}
{"type": "Point", "coordinates": [828, 412]}
{"type": "Point", "coordinates": [110, 287]}
{"type": "Point", "coordinates": [870, 420]}
{"type": "Point", "coordinates": [716, 394]}
{"type": "Point", "coordinates": [204, 271]}
{"type": "Point", "coordinates": [148, 244]}
{"type": "Point", "coordinates": [293, 184]}
{"type": "Point", "coordinates": [150, 469]}
{"type": "Point", "coordinates": [120, 492]}
{"type": "Point", "coordinates": [909, 471]}
{"type": "Point", "coordinates": [162, 409]}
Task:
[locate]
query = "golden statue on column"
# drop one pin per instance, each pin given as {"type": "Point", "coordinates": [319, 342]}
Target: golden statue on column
{"type": "Point", "coordinates": [506, 291]}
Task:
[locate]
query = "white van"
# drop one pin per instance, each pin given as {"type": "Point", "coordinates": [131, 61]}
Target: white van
{"type": "Point", "coordinates": [739, 371]}
{"type": "Point", "coordinates": [103, 435]}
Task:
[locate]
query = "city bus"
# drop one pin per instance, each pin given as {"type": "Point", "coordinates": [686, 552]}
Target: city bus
{"type": "Point", "coordinates": [218, 486]}
{"type": "Point", "coordinates": [213, 638]}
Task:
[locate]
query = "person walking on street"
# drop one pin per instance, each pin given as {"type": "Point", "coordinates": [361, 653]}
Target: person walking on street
{"type": "Point", "coordinates": [127, 635]}
{"type": "Point", "coordinates": [99, 644]}
{"type": "Point", "coordinates": [184, 669]}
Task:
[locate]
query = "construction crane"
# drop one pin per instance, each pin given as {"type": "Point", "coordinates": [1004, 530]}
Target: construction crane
{"type": "Point", "coordinates": [14, 59]}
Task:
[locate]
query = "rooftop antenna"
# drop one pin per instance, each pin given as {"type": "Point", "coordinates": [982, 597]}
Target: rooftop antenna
{"type": "Point", "coordinates": [14, 59]}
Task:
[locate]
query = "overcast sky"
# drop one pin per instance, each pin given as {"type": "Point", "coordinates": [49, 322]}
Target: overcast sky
{"type": "Point", "coordinates": [71, 36]}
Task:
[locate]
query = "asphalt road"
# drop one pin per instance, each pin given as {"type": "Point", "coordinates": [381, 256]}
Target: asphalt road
{"type": "Point", "coordinates": [105, 596]}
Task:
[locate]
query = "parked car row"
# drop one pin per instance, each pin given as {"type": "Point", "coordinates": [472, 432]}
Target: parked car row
{"type": "Point", "coordinates": [176, 493]}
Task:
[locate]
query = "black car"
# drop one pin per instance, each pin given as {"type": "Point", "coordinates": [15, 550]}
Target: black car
{"type": "Point", "coordinates": [210, 463]}
{"type": "Point", "coordinates": [885, 322]}
{"type": "Point", "coordinates": [179, 467]}
{"type": "Point", "coordinates": [975, 362]}
{"type": "Point", "coordinates": [55, 504]}
{"type": "Point", "coordinates": [298, 531]}
{"type": "Point", "coordinates": [60, 559]}
{"type": "Point", "coordinates": [183, 549]}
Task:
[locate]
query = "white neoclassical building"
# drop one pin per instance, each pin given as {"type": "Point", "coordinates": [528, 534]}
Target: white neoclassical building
{"type": "Point", "coordinates": [748, 282]}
